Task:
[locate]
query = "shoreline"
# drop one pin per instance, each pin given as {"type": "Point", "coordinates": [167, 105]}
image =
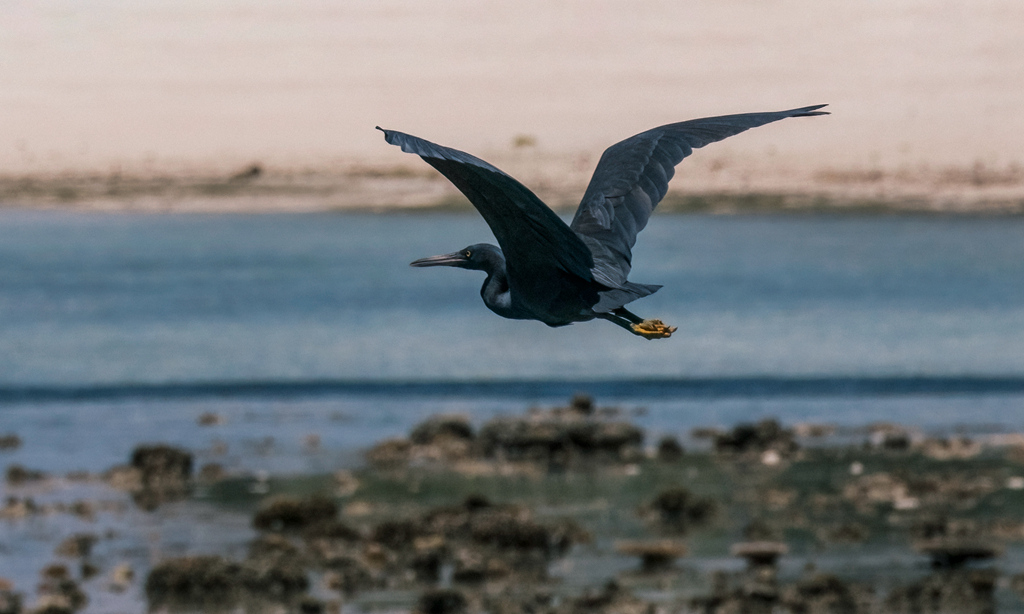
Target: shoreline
{"type": "Point", "coordinates": [704, 186]}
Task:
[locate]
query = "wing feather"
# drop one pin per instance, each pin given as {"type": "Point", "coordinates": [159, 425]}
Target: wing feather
{"type": "Point", "coordinates": [531, 236]}
{"type": "Point", "coordinates": [633, 176]}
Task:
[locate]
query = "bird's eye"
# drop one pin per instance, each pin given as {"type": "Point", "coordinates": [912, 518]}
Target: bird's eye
{"type": "Point", "coordinates": [467, 253]}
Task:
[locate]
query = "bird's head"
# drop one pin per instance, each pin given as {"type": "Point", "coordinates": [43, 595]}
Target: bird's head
{"type": "Point", "coordinates": [479, 257]}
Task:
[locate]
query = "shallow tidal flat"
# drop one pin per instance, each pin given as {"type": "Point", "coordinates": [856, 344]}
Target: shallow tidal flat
{"type": "Point", "coordinates": [566, 509]}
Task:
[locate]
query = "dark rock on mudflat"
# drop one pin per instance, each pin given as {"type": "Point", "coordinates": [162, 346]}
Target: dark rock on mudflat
{"type": "Point", "coordinates": [846, 533]}
{"type": "Point", "coordinates": [611, 598]}
{"type": "Point", "coordinates": [427, 563]}
{"type": "Point", "coordinates": [398, 534]}
{"type": "Point", "coordinates": [88, 570]}
{"type": "Point", "coordinates": [77, 546]}
{"type": "Point", "coordinates": [160, 474]}
{"type": "Point", "coordinates": [212, 472]}
{"type": "Point", "coordinates": [757, 591]}
{"type": "Point", "coordinates": [311, 605]}
{"type": "Point", "coordinates": [17, 475]}
{"type": "Point", "coordinates": [519, 599]}
{"type": "Point", "coordinates": [213, 581]}
{"type": "Point", "coordinates": [331, 529]}
{"type": "Point", "coordinates": [477, 540]}
{"type": "Point", "coordinates": [760, 530]}
{"type": "Point", "coordinates": [759, 553]}
{"type": "Point", "coordinates": [441, 601]}
{"type": "Point", "coordinates": [559, 440]}
{"type": "Point", "coordinates": [669, 450]}
{"type": "Point", "coordinates": [472, 567]}
{"type": "Point", "coordinates": [947, 552]}
{"type": "Point", "coordinates": [827, 594]}
{"type": "Point", "coordinates": [209, 419]}
{"type": "Point", "coordinates": [655, 555]}
{"type": "Point", "coordinates": [504, 527]}
{"type": "Point", "coordinates": [349, 575]}
{"type": "Point", "coordinates": [958, 591]}
{"type": "Point", "coordinates": [60, 593]}
{"type": "Point", "coordinates": [17, 509]}
{"type": "Point", "coordinates": [201, 580]}
{"type": "Point", "coordinates": [582, 404]}
{"type": "Point", "coordinates": [274, 548]}
{"type": "Point", "coordinates": [287, 513]}
{"type": "Point", "coordinates": [10, 602]}
{"type": "Point", "coordinates": [162, 463]}
{"type": "Point", "coordinates": [677, 510]}
{"type": "Point", "coordinates": [440, 427]}
{"type": "Point", "coordinates": [757, 438]}
{"type": "Point", "coordinates": [390, 454]}
{"type": "Point", "coordinates": [888, 437]}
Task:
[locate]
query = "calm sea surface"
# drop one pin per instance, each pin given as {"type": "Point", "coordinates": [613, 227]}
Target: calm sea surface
{"type": "Point", "coordinates": [316, 320]}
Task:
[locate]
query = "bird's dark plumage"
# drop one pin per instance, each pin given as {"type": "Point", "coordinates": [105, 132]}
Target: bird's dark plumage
{"type": "Point", "coordinates": [559, 273]}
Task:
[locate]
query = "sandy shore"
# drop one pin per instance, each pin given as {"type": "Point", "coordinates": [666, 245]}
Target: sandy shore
{"type": "Point", "coordinates": [153, 107]}
{"type": "Point", "coordinates": [706, 184]}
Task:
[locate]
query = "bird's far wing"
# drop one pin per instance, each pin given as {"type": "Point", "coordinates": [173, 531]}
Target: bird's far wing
{"type": "Point", "coordinates": [632, 177]}
{"type": "Point", "coordinates": [530, 234]}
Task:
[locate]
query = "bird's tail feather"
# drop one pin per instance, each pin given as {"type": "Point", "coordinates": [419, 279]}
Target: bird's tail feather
{"type": "Point", "coordinates": [618, 297]}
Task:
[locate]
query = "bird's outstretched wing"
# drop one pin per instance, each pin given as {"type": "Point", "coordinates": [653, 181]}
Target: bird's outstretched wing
{"type": "Point", "coordinates": [632, 177]}
{"type": "Point", "coordinates": [530, 234]}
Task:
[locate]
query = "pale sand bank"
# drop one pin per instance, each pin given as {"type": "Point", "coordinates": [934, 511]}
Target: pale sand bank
{"type": "Point", "coordinates": [927, 97]}
{"type": "Point", "coordinates": [702, 184]}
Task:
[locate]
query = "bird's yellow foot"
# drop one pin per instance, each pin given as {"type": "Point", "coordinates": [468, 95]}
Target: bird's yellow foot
{"type": "Point", "coordinates": [653, 329]}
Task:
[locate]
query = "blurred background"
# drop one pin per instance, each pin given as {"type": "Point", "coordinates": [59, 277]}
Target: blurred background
{"type": "Point", "coordinates": [204, 244]}
{"type": "Point", "coordinates": [915, 87]}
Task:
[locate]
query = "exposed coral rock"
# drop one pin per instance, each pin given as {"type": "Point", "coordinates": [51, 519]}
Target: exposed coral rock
{"type": "Point", "coordinates": [442, 601]}
{"type": "Point", "coordinates": [349, 575]}
{"type": "Point", "coordinates": [443, 426]}
{"type": "Point", "coordinates": [655, 555]}
{"type": "Point", "coordinates": [669, 450]}
{"type": "Point", "coordinates": [759, 553]}
{"type": "Point", "coordinates": [612, 598]}
{"type": "Point", "coordinates": [953, 552]}
{"type": "Point", "coordinates": [58, 592]}
{"type": "Point", "coordinates": [10, 441]}
{"type": "Point", "coordinates": [209, 581]}
{"type": "Point", "coordinates": [77, 546]}
{"type": "Point", "coordinates": [10, 601]}
{"type": "Point", "coordinates": [677, 510]}
{"type": "Point", "coordinates": [827, 594]}
{"type": "Point", "coordinates": [959, 592]}
{"type": "Point", "coordinates": [757, 439]}
{"type": "Point", "coordinates": [390, 454]}
{"type": "Point", "coordinates": [18, 475]}
{"type": "Point", "coordinates": [295, 514]}
{"type": "Point", "coordinates": [156, 474]}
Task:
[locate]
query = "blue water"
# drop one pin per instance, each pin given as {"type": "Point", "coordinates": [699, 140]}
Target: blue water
{"type": "Point", "coordinates": [145, 321]}
{"type": "Point", "coordinates": [118, 298]}
{"type": "Point", "coordinates": [118, 329]}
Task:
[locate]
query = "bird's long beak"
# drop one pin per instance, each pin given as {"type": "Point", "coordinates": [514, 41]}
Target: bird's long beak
{"type": "Point", "coordinates": [452, 259]}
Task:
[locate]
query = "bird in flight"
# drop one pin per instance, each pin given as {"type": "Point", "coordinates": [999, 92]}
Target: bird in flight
{"type": "Point", "coordinates": [544, 269]}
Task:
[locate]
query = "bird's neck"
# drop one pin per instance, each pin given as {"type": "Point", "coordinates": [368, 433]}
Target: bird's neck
{"type": "Point", "coordinates": [495, 290]}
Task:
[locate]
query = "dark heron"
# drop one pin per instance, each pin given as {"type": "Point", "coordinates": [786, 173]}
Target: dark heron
{"type": "Point", "coordinates": [562, 273]}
